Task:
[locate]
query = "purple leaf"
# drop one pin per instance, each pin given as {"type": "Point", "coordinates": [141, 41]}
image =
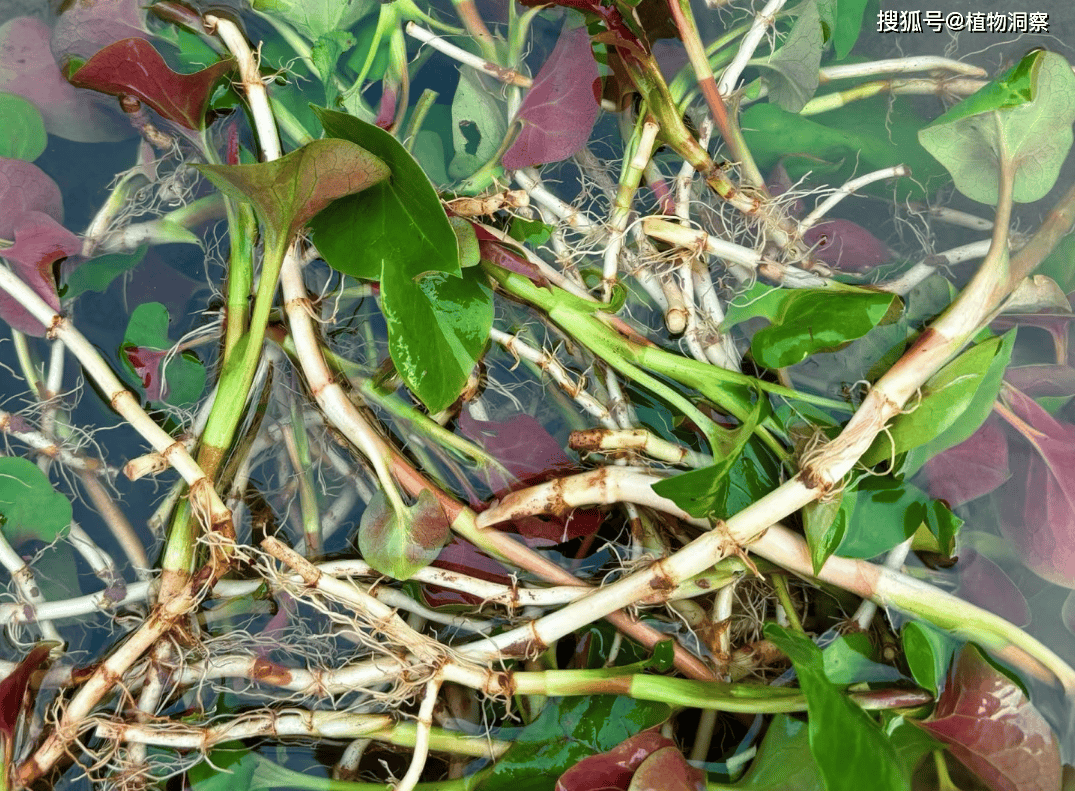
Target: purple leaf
{"type": "Point", "coordinates": [147, 365]}
{"type": "Point", "coordinates": [971, 469]}
{"type": "Point", "coordinates": [667, 770]}
{"type": "Point", "coordinates": [503, 257]}
{"type": "Point", "coordinates": [39, 242]}
{"type": "Point", "coordinates": [780, 182]}
{"type": "Point", "coordinates": [14, 702]}
{"type": "Point", "coordinates": [25, 187]}
{"type": "Point", "coordinates": [612, 771]}
{"type": "Point", "coordinates": [132, 67]}
{"type": "Point", "coordinates": [27, 68]}
{"type": "Point", "coordinates": [1038, 516]}
{"type": "Point", "coordinates": [983, 582]}
{"type": "Point", "coordinates": [88, 26]}
{"type": "Point", "coordinates": [990, 726]}
{"type": "Point", "coordinates": [1042, 380]}
{"type": "Point", "coordinates": [521, 444]}
{"type": "Point", "coordinates": [559, 110]}
{"type": "Point", "coordinates": [847, 245]}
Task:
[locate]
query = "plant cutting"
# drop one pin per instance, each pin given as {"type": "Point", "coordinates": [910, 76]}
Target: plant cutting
{"type": "Point", "coordinates": [468, 396]}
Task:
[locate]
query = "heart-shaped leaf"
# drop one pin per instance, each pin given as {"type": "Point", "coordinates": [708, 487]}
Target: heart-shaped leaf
{"type": "Point", "coordinates": [288, 192]}
{"type": "Point", "coordinates": [133, 67]}
{"type": "Point", "coordinates": [813, 321]}
{"type": "Point", "coordinates": [437, 329]}
{"type": "Point", "coordinates": [23, 136]}
{"type": "Point", "coordinates": [30, 507]}
{"type": "Point", "coordinates": [360, 236]}
{"type": "Point", "coordinates": [615, 768]}
{"type": "Point", "coordinates": [558, 112]}
{"type": "Point", "coordinates": [1023, 118]}
{"type": "Point", "coordinates": [40, 241]}
{"type": "Point", "coordinates": [87, 26]}
{"type": "Point", "coordinates": [794, 77]}
{"type": "Point", "coordinates": [25, 187]}
{"type": "Point", "coordinates": [847, 245]}
{"type": "Point", "coordinates": [399, 544]}
{"type": "Point", "coordinates": [27, 68]}
{"type": "Point", "coordinates": [850, 749]}
{"type": "Point", "coordinates": [990, 726]}
{"type": "Point", "coordinates": [315, 18]}
{"type": "Point", "coordinates": [146, 344]}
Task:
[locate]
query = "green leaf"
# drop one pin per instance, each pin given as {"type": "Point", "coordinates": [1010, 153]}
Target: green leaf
{"type": "Point", "coordinates": [478, 125]}
{"type": "Point", "coordinates": [29, 507]}
{"type": "Point", "coordinates": [400, 544]}
{"type": "Point", "coordinates": [912, 743]}
{"type": "Point", "coordinates": [852, 658]}
{"type": "Point", "coordinates": [1024, 118]}
{"type": "Point", "coordinates": [701, 492]}
{"type": "Point", "coordinates": [288, 192]}
{"type": "Point", "coordinates": [1058, 264]}
{"type": "Point", "coordinates": [361, 235]}
{"type": "Point", "coordinates": [794, 77]}
{"type": "Point", "coordinates": [971, 380]}
{"type": "Point", "coordinates": [437, 329]}
{"type": "Point", "coordinates": [315, 18]}
{"type": "Point", "coordinates": [325, 53]}
{"type": "Point", "coordinates": [467, 240]}
{"type": "Point", "coordinates": [532, 232]}
{"type": "Point", "coordinates": [825, 524]}
{"type": "Point", "coordinates": [23, 135]}
{"type": "Point", "coordinates": [860, 137]}
{"type": "Point", "coordinates": [429, 151]}
{"type": "Point", "coordinates": [97, 273]}
{"type": "Point", "coordinates": [363, 41]}
{"type": "Point", "coordinates": [812, 321]}
{"type": "Point", "coordinates": [886, 512]}
{"type": "Point", "coordinates": [148, 328]}
{"type": "Point", "coordinates": [928, 652]}
{"type": "Point", "coordinates": [850, 749]}
{"type": "Point", "coordinates": [848, 25]}
{"type": "Point", "coordinates": [760, 299]}
{"type": "Point", "coordinates": [783, 762]}
{"type": "Point", "coordinates": [566, 731]}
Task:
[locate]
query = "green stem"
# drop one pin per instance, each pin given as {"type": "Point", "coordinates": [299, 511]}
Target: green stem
{"type": "Point", "coordinates": [780, 583]}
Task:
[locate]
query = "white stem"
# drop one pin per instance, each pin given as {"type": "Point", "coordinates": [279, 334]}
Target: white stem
{"type": "Point", "coordinates": [850, 188]}
{"type": "Point", "coordinates": [899, 66]}
{"type": "Point", "coordinates": [421, 742]}
{"type": "Point", "coordinates": [763, 20]}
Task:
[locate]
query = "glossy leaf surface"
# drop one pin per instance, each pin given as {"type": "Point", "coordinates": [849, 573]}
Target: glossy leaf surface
{"type": "Point", "coordinates": [359, 235]}
{"type": "Point", "coordinates": [1023, 118]}
{"type": "Point", "coordinates": [288, 192]}
{"type": "Point", "coordinates": [437, 329]}
{"type": "Point", "coordinates": [23, 136]}
{"type": "Point", "coordinates": [566, 731]}
{"type": "Point", "coordinates": [825, 523]}
{"type": "Point", "coordinates": [813, 321]}
{"type": "Point", "coordinates": [929, 653]}
{"type": "Point", "coordinates": [40, 241]}
{"type": "Point", "coordinates": [613, 769]}
{"type": "Point", "coordinates": [989, 725]}
{"type": "Point", "coordinates": [850, 749]}
{"type": "Point", "coordinates": [133, 67]}
{"type": "Point", "coordinates": [31, 508]}
{"type": "Point", "coordinates": [559, 111]}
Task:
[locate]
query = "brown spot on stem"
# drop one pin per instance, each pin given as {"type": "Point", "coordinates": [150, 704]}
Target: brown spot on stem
{"type": "Point", "coordinates": [660, 580]}
{"type": "Point", "coordinates": [55, 325]}
{"type": "Point", "coordinates": [268, 672]}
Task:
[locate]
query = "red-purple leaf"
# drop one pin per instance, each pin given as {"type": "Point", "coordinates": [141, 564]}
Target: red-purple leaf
{"type": "Point", "coordinates": [147, 365]}
{"type": "Point", "coordinates": [13, 690]}
{"type": "Point", "coordinates": [667, 770]}
{"type": "Point", "coordinates": [1042, 380]}
{"type": "Point", "coordinates": [461, 556]}
{"type": "Point", "coordinates": [27, 68]}
{"type": "Point", "coordinates": [25, 187]}
{"type": "Point", "coordinates": [39, 242]}
{"type": "Point", "coordinates": [1038, 516]}
{"type": "Point", "coordinates": [847, 245]}
{"type": "Point", "coordinates": [502, 256]}
{"type": "Point", "coordinates": [612, 771]}
{"type": "Point", "coordinates": [559, 111]}
{"type": "Point", "coordinates": [619, 34]}
{"type": "Point", "coordinates": [971, 469]}
{"type": "Point", "coordinates": [991, 727]}
{"type": "Point", "coordinates": [132, 67]}
{"type": "Point", "coordinates": [983, 582]}
{"type": "Point", "coordinates": [87, 26]}
{"type": "Point", "coordinates": [521, 444]}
